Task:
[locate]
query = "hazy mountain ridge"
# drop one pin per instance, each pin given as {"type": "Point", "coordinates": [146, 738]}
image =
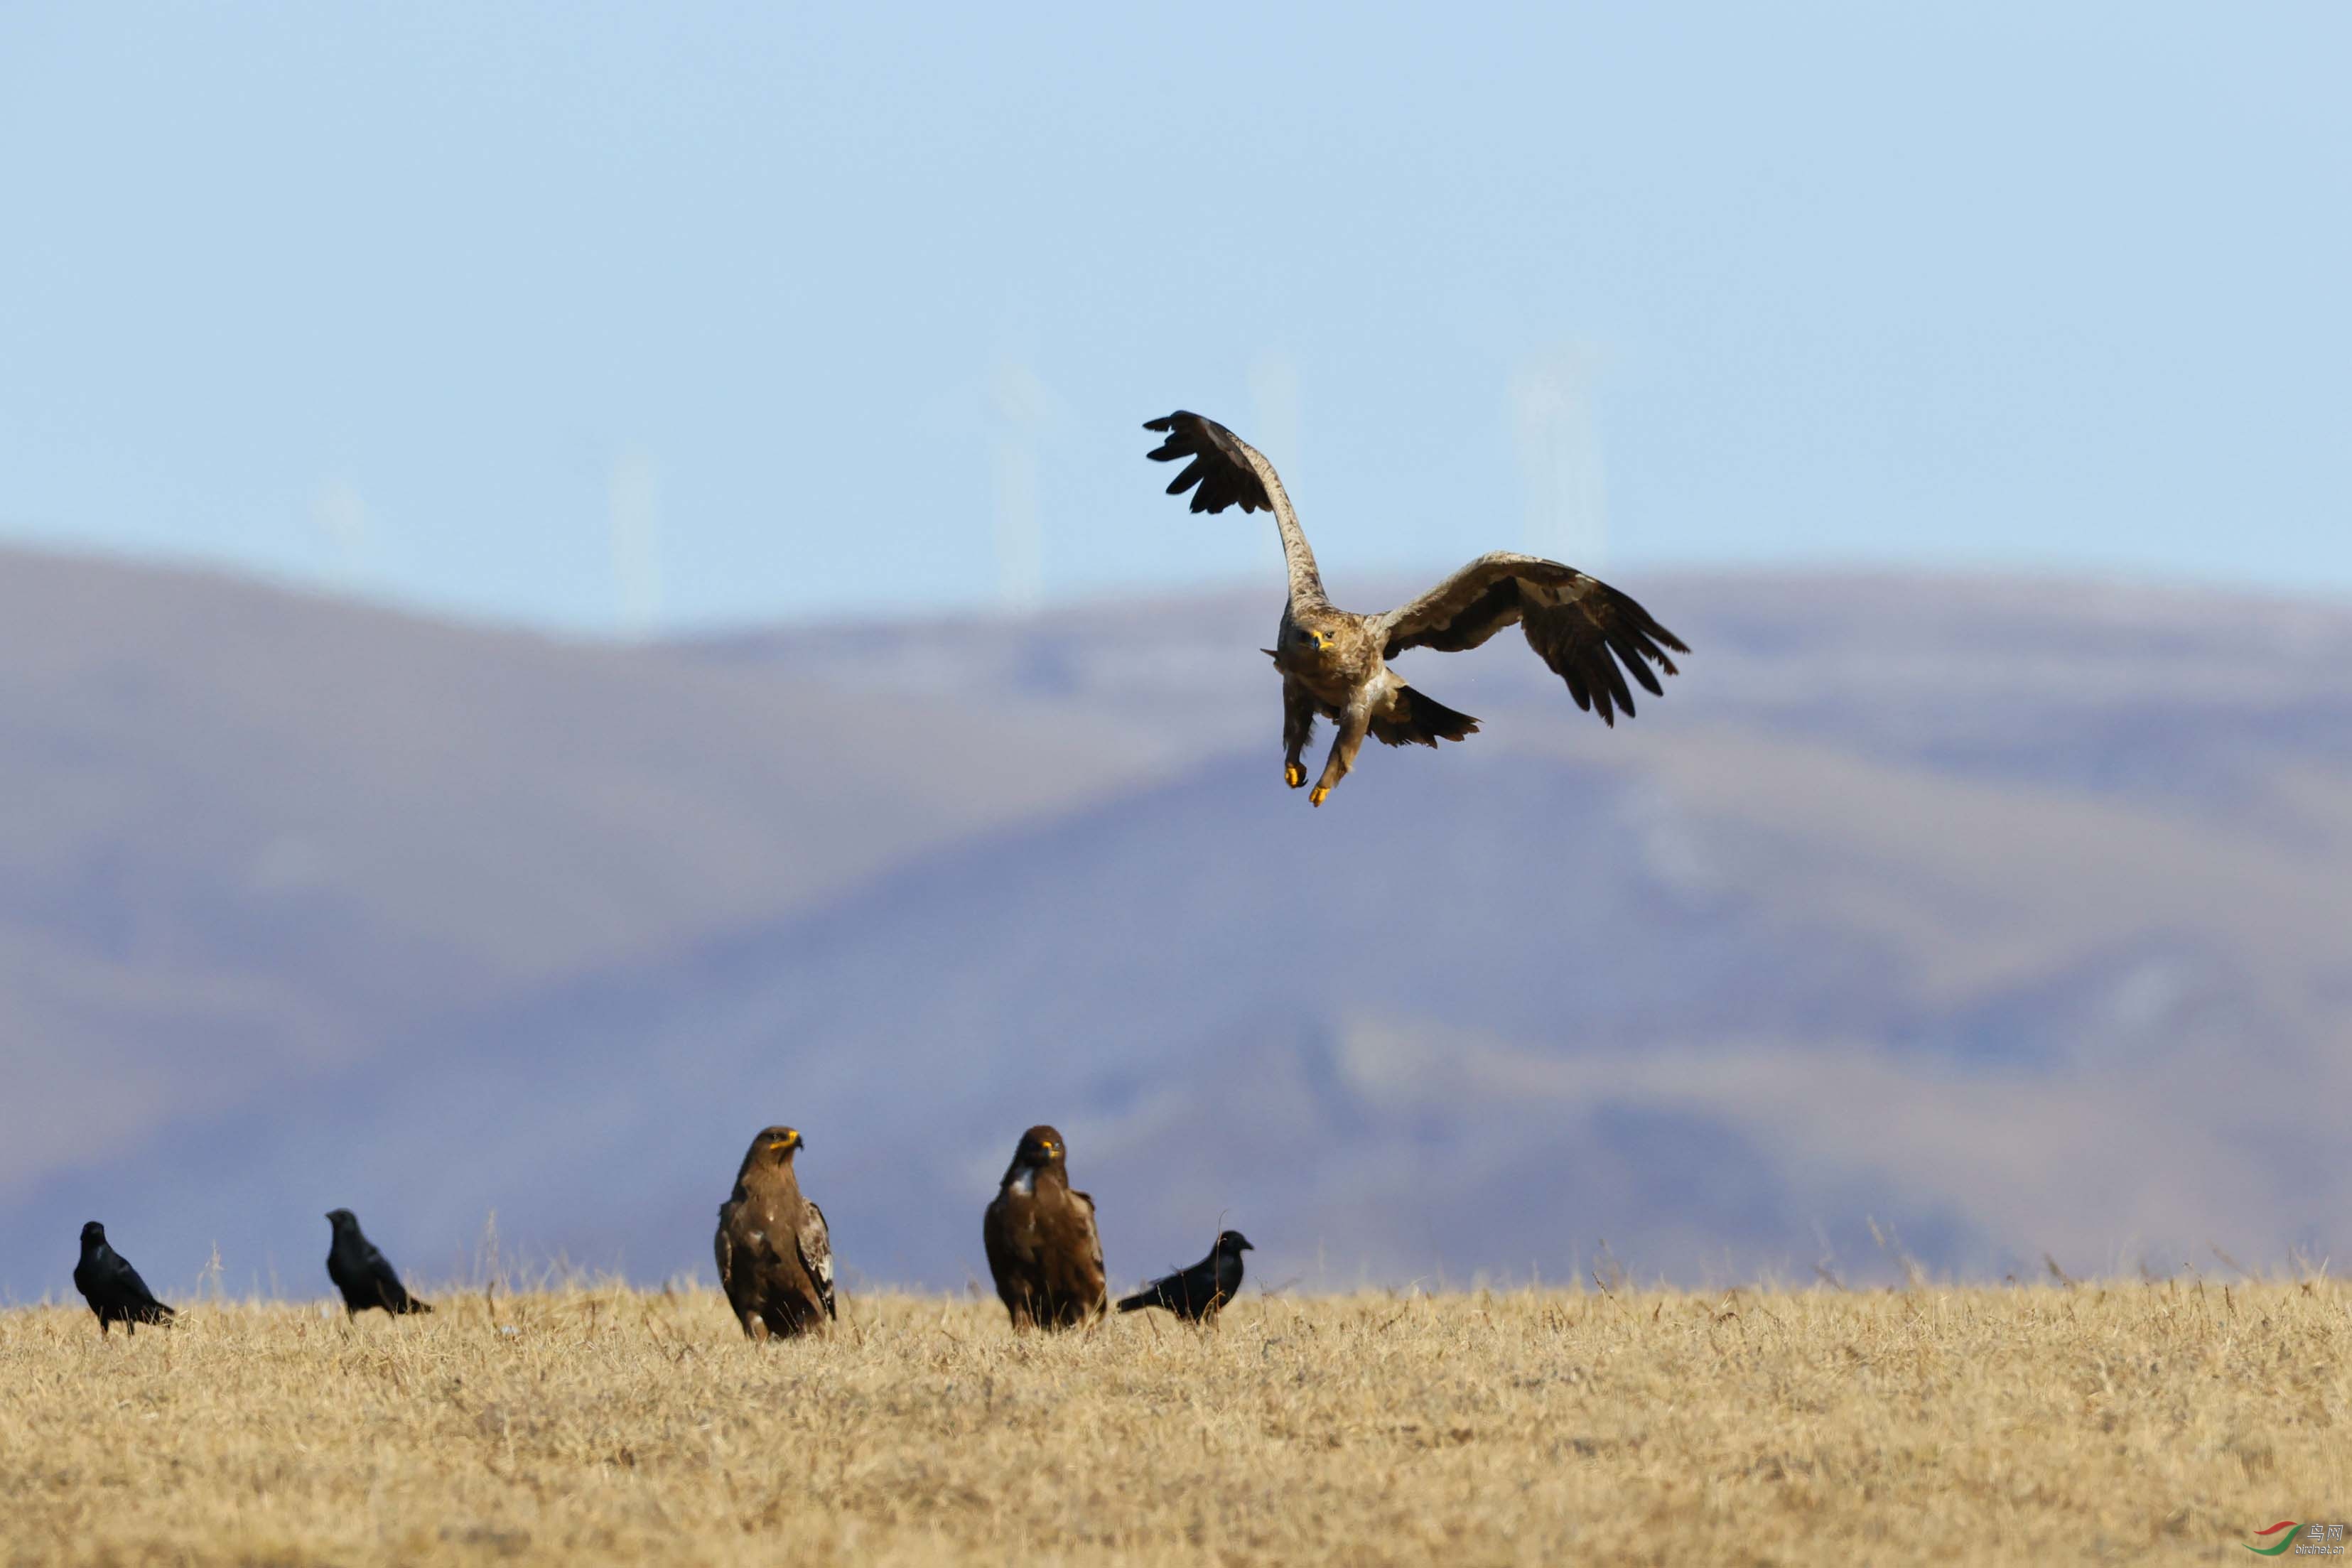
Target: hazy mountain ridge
{"type": "Point", "coordinates": [1896, 906]}
{"type": "Point", "coordinates": [301, 827]}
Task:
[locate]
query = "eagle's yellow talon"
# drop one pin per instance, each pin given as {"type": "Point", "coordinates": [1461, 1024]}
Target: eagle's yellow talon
{"type": "Point", "coordinates": [1293, 775]}
{"type": "Point", "coordinates": [1317, 798]}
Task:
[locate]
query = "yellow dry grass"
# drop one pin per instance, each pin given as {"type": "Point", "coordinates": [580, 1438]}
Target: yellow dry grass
{"type": "Point", "coordinates": [2134, 1422]}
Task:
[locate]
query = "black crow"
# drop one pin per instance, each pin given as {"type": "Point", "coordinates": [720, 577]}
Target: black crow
{"type": "Point", "coordinates": [1201, 1291]}
{"type": "Point", "coordinates": [360, 1274]}
{"type": "Point", "coordinates": [112, 1287]}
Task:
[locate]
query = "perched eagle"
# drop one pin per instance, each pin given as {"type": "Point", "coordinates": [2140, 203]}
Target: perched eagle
{"type": "Point", "coordinates": [1041, 1240]}
{"type": "Point", "coordinates": [362, 1273]}
{"type": "Point", "coordinates": [112, 1287]}
{"type": "Point", "coordinates": [1201, 1291]}
{"type": "Point", "coordinates": [1335, 663]}
{"type": "Point", "coordinates": [775, 1257]}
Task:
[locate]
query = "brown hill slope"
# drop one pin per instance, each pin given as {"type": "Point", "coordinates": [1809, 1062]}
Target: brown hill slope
{"type": "Point", "coordinates": [247, 834]}
{"type": "Point", "coordinates": [2005, 912]}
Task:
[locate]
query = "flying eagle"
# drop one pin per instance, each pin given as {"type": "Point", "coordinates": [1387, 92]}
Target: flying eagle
{"type": "Point", "coordinates": [1335, 663]}
{"type": "Point", "coordinates": [1039, 1231]}
{"type": "Point", "coordinates": [775, 1255]}
{"type": "Point", "coordinates": [1201, 1291]}
{"type": "Point", "coordinates": [363, 1274]}
{"type": "Point", "coordinates": [112, 1287]}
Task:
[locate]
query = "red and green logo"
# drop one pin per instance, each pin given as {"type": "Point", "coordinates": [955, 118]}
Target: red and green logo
{"type": "Point", "coordinates": [2278, 1548]}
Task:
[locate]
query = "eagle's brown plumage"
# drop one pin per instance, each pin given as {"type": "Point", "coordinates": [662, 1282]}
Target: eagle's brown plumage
{"type": "Point", "coordinates": [1334, 664]}
{"type": "Point", "coordinates": [1042, 1244]}
{"type": "Point", "coordinates": [775, 1255]}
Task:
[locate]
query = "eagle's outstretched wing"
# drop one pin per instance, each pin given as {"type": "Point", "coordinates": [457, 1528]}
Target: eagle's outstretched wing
{"type": "Point", "coordinates": [1231, 472]}
{"type": "Point", "coordinates": [1573, 621]}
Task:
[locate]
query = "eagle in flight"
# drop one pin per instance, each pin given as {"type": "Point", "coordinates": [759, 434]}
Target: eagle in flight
{"type": "Point", "coordinates": [1334, 662]}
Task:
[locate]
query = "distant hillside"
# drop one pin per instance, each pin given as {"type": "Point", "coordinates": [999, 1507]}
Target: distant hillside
{"type": "Point", "coordinates": [2006, 914]}
{"type": "Point", "coordinates": [247, 835]}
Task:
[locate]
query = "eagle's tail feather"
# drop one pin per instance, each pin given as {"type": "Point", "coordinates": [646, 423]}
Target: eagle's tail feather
{"type": "Point", "coordinates": [1422, 720]}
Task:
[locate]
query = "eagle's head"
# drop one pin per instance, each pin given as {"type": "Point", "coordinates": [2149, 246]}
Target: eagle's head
{"type": "Point", "coordinates": [776, 1145]}
{"type": "Point", "coordinates": [1040, 1146]}
{"type": "Point", "coordinates": [1041, 1150]}
{"type": "Point", "coordinates": [1313, 642]}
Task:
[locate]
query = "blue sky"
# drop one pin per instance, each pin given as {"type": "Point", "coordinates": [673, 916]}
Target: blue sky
{"type": "Point", "coordinates": [655, 319]}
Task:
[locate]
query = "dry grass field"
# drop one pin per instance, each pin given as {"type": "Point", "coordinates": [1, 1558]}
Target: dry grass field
{"type": "Point", "coordinates": [2126, 1423]}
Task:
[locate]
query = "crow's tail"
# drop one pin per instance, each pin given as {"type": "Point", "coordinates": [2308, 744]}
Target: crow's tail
{"type": "Point", "coordinates": [1138, 1301]}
